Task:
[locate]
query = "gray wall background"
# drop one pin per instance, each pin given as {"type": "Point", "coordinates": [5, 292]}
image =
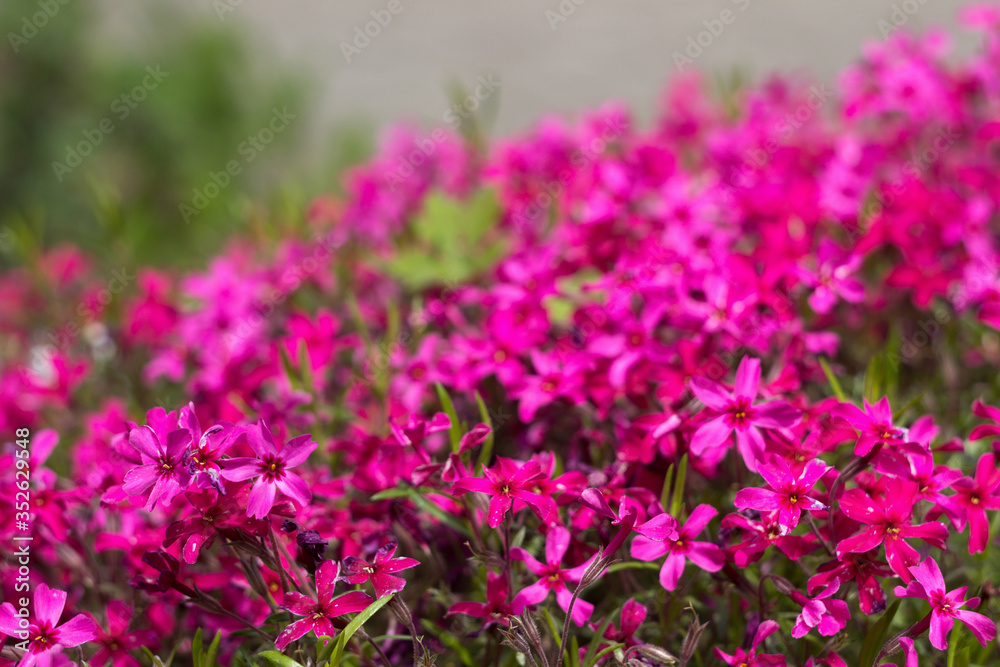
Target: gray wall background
{"type": "Point", "coordinates": [621, 49]}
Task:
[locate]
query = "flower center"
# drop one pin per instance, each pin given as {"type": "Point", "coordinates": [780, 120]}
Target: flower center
{"type": "Point", "coordinates": [893, 532]}
{"type": "Point", "coordinates": [793, 499]}
{"type": "Point", "coordinates": [499, 356]}
{"type": "Point", "coordinates": [974, 500]}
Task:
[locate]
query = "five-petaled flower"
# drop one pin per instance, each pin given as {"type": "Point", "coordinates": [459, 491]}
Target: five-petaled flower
{"type": "Point", "coordinates": [927, 583]}
{"type": "Point", "coordinates": [973, 496]}
{"type": "Point", "coordinates": [888, 520]}
{"type": "Point", "coordinates": [320, 611]}
{"type": "Point", "coordinates": [705, 555]}
{"type": "Point", "coordinates": [553, 577]}
{"type": "Point", "coordinates": [45, 637]}
{"type": "Point", "coordinates": [737, 412]}
{"type": "Point", "coordinates": [789, 492]}
{"type": "Point", "coordinates": [271, 467]}
{"type": "Point", "coordinates": [357, 571]}
{"type": "Point", "coordinates": [161, 447]}
{"type": "Point", "coordinates": [505, 483]}
{"type": "Point", "coordinates": [496, 609]}
{"type": "Point", "coordinates": [874, 424]}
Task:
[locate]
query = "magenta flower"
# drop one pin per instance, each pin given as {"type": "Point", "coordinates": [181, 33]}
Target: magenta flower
{"type": "Point", "coordinates": [632, 616]}
{"type": "Point", "coordinates": [358, 571]}
{"type": "Point", "coordinates": [46, 638]}
{"type": "Point", "coordinates": [271, 468]}
{"type": "Point", "coordinates": [552, 576]}
{"type": "Point", "coordinates": [832, 278]}
{"type": "Point", "coordinates": [973, 496]}
{"type": "Point", "coordinates": [788, 493]}
{"type": "Point", "coordinates": [874, 423]}
{"type": "Point", "coordinates": [496, 609]}
{"type": "Point", "coordinates": [764, 533]}
{"type": "Point", "coordinates": [705, 555]}
{"type": "Point", "coordinates": [216, 513]}
{"type": "Point", "coordinates": [556, 378]}
{"type": "Point", "coordinates": [319, 612]}
{"type": "Point", "coordinates": [506, 482]}
{"type": "Point", "coordinates": [828, 616]}
{"type": "Point", "coordinates": [888, 521]}
{"type": "Point", "coordinates": [739, 414]}
{"type": "Point", "coordinates": [118, 643]}
{"type": "Point", "coordinates": [752, 658]}
{"type": "Point", "coordinates": [161, 448]}
{"type": "Point", "coordinates": [927, 583]}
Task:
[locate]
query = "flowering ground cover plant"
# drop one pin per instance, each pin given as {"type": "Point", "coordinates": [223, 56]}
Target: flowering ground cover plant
{"type": "Point", "coordinates": [719, 391]}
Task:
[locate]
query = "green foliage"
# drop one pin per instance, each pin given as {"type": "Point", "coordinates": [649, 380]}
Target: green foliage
{"type": "Point", "coordinates": [101, 146]}
{"type": "Point", "coordinates": [452, 243]}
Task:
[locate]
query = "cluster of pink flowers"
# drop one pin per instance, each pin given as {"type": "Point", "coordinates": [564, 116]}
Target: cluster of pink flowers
{"type": "Point", "coordinates": [558, 396]}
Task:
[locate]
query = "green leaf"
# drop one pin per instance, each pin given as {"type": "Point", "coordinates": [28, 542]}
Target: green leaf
{"type": "Point", "coordinates": [326, 645]}
{"type": "Point", "coordinates": [633, 565]}
{"type": "Point", "coordinates": [212, 655]}
{"type": "Point", "coordinates": [305, 367]}
{"type": "Point", "coordinates": [196, 648]}
{"type": "Point", "coordinates": [279, 659]}
{"type": "Point", "coordinates": [574, 651]}
{"type": "Point", "coordinates": [289, 368]}
{"type": "Point", "coordinates": [954, 642]}
{"type": "Point", "coordinates": [665, 492]}
{"type": "Point", "coordinates": [591, 657]}
{"type": "Point", "coordinates": [832, 379]}
{"type": "Point", "coordinates": [355, 625]}
{"type": "Point", "coordinates": [389, 494]}
{"type": "Point", "coordinates": [678, 499]}
{"type": "Point", "coordinates": [875, 639]}
{"type": "Point", "coordinates": [456, 427]}
{"type": "Point", "coordinates": [609, 649]}
{"type": "Point", "coordinates": [487, 451]}
{"type": "Point", "coordinates": [875, 379]}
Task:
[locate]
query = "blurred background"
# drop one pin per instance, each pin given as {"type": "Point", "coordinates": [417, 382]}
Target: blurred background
{"type": "Point", "coordinates": [154, 129]}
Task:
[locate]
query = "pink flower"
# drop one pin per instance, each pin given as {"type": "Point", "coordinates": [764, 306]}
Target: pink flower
{"type": "Point", "coordinates": [506, 482]}
{"type": "Point", "coordinates": [556, 377]}
{"type": "Point", "coordinates": [973, 496]}
{"type": "Point", "coordinates": [552, 576]}
{"type": "Point", "coordinates": [789, 495]}
{"type": "Point", "coordinates": [216, 513]}
{"type": "Point", "coordinates": [319, 612]}
{"type": "Point", "coordinates": [751, 658]}
{"type": "Point", "coordinates": [928, 584]}
{"type": "Point", "coordinates": [358, 571]}
{"type": "Point", "coordinates": [888, 520]}
{"type": "Point", "coordinates": [739, 414]}
{"type": "Point", "coordinates": [45, 636]}
{"type": "Point", "coordinates": [828, 616]}
{"type": "Point", "coordinates": [161, 447]}
{"type": "Point", "coordinates": [496, 609]}
{"type": "Point", "coordinates": [875, 424]}
{"type": "Point", "coordinates": [705, 555]}
{"type": "Point", "coordinates": [832, 278]}
{"type": "Point", "coordinates": [117, 643]}
{"type": "Point", "coordinates": [271, 468]}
